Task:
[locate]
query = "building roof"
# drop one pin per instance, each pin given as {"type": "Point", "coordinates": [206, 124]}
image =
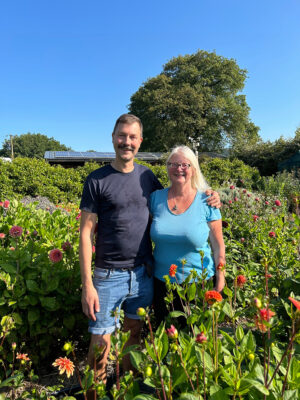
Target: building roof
{"type": "Point", "coordinates": [73, 156]}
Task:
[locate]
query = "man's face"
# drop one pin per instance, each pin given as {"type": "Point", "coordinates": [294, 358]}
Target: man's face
{"type": "Point", "coordinates": [127, 140]}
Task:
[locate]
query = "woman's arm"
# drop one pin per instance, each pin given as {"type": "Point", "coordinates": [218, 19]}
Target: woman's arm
{"type": "Point", "coordinates": [218, 248]}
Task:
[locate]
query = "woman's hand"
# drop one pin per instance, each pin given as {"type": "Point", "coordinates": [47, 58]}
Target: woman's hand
{"type": "Point", "coordinates": [214, 199]}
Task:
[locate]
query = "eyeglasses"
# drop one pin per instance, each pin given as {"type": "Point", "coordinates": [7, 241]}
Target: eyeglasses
{"type": "Point", "coordinates": [177, 165]}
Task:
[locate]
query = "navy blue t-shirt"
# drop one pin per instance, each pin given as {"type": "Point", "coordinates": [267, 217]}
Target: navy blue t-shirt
{"type": "Point", "coordinates": [121, 201]}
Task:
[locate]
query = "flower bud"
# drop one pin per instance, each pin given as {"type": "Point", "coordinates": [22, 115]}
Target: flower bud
{"type": "Point", "coordinates": [251, 356]}
{"type": "Point", "coordinates": [14, 345]}
{"type": "Point", "coordinates": [201, 338]}
{"type": "Point", "coordinates": [141, 312]}
{"type": "Point", "coordinates": [148, 371]}
{"type": "Point", "coordinates": [257, 302]}
{"type": "Point", "coordinates": [172, 332]}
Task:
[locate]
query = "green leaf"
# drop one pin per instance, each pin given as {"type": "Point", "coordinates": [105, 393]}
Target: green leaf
{"type": "Point", "coordinates": [17, 318]}
{"type": "Point", "coordinates": [137, 357]}
{"type": "Point", "coordinates": [227, 291]}
{"type": "Point", "coordinates": [227, 337]}
{"type": "Point", "coordinates": [188, 396]}
{"type": "Point", "coordinates": [165, 346]}
{"type": "Point", "coordinates": [32, 286]}
{"type": "Point", "coordinates": [144, 397]}
{"type": "Point", "coordinates": [49, 303]}
{"type": "Point", "coordinates": [176, 314]}
{"type": "Point", "coordinates": [150, 351]}
{"type": "Point", "coordinates": [178, 376]}
{"type": "Point", "coordinates": [191, 291]}
{"type": "Point", "coordinates": [290, 394]}
{"type": "Point", "coordinates": [239, 333]}
{"type": "Point", "coordinates": [227, 310]}
{"type": "Point", "coordinates": [9, 268]}
{"type": "Point", "coordinates": [259, 386]}
{"type": "Point", "coordinates": [33, 315]}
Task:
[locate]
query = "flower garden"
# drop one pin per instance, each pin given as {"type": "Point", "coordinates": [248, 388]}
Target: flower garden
{"type": "Point", "coordinates": [243, 344]}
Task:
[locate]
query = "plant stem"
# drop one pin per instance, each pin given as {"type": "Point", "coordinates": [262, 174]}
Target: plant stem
{"type": "Point", "coordinates": [204, 388]}
{"type": "Point", "coordinates": [158, 362]}
{"type": "Point", "coordinates": [282, 358]}
{"type": "Point", "coordinates": [78, 374]}
{"type": "Point", "coordinates": [182, 363]}
{"type": "Point", "coordinates": [289, 360]}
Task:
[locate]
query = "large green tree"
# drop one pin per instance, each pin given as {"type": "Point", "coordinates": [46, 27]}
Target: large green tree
{"type": "Point", "coordinates": [195, 99]}
{"type": "Point", "coordinates": [31, 145]}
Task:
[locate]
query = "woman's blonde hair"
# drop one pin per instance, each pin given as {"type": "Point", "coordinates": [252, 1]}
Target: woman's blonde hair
{"type": "Point", "coordinates": [198, 181]}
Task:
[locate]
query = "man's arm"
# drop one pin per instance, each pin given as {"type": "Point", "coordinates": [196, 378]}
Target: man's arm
{"type": "Point", "coordinates": [218, 248]}
{"type": "Point", "coordinates": [89, 298]}
{"type": "Point", "coordinates": [214, 199]}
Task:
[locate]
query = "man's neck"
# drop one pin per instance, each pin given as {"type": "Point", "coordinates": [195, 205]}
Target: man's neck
{"type": "Point", "coordinates": [122, 166]}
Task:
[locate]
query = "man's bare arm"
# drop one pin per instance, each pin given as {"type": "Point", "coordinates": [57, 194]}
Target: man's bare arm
{"type": "Point", "coordinates": [218, 248]}
{"type": "Point", "coordinates": [89, 298]}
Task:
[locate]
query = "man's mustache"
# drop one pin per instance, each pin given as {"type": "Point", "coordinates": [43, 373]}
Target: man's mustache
{"type": "Point", "coordinates": [124, 147]}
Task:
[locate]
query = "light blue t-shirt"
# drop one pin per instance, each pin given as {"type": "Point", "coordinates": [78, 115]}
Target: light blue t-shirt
{"type": "Point", "coordinates": [182, 236]}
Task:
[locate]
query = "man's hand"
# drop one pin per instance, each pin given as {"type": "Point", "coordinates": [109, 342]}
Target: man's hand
{"type": "Point", "coordinates": [214, 199]}
{"type": "Point", "coordinates": [90, 302]}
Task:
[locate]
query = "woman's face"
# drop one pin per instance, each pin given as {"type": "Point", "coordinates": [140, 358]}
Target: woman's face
{"type": "Point", "coordinates": [179, 169]}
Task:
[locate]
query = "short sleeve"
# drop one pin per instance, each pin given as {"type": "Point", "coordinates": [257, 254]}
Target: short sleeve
{"type": "Point", "coordinates": [213, 214]}
{"type": "Point", "coordinates": [152, 202]}
{"type": "Point", "coordinates": [90, 199]}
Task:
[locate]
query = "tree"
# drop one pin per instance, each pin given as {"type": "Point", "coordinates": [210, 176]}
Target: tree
{"type": "Point", "coordinates": [267, 155]}
{"type": "Point", "coordinates": [195, 99]}
{"type": "Point", "coordinates": [31, 145]}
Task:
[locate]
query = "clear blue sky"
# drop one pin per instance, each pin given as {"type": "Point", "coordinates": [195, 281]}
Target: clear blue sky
{"type": "Point", "coordinates": [68, 67]}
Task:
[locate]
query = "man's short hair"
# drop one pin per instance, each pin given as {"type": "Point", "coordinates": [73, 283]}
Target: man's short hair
{"type": "Point", "coordinates": [128, 119]}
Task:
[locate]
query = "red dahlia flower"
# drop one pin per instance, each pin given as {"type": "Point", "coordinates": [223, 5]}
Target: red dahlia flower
{"type": "Point", "coordinates": [2, 235]}
{"type": "Point", "coordinates": [211, 296]}
{"type": "Point", "coordinates": [172, 270]}
{"type": "Point", "coordinates": [55, 255]}
{"type": "Point", "coordinates": [295, 302]}
{"type": "Point", "coordinates": [266, 314]}
{"type": "Point", "coordinates": [6, 204]}
{"type": "Point", "coordinates": [277, 203]}
{"type": "Point", "coordinates": [241, 280]}
{"type": "Point", "coordinates": [272, 234]}
{"type": "Point", "coordinates": [16, 231]}
{"type": "Point", "coordinates": [255, 217]}
{"type": "Point", "coordinates": [231, 187]}
{"type": "Point", "coordinates": [64, 365]}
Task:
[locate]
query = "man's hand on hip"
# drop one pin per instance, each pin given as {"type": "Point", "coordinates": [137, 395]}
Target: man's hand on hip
{"type": "Point", "coordinates": [90, 302]}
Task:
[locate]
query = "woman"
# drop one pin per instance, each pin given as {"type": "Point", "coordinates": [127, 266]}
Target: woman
{"type": "Point", "coordinates": [181, 224]}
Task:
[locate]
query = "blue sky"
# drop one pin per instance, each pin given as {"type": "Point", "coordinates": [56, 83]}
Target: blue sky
{"type": "Point", "coordinates": [68, 68]}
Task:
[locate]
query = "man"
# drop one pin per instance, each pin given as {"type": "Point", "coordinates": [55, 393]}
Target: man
{"type": "Point", "coordinates": [117, 196]}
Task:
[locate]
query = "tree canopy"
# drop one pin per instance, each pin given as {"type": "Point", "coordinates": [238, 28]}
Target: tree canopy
{"type": "Point", "coordinates": [267, 155]}
{"type": "Point", "coordinates": [31, 145]}
{"type": "Point", "coordinates": [195, 99]}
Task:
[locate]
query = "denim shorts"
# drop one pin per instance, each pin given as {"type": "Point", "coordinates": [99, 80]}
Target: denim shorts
{"type": "Point", "coordinates": [129, 289]}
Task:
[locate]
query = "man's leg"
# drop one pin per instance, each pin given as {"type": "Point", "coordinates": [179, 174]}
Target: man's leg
{"type": "Point", "coordinates": [134, 326]}
{"type": "Point", "coordinates": [99, 361]}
